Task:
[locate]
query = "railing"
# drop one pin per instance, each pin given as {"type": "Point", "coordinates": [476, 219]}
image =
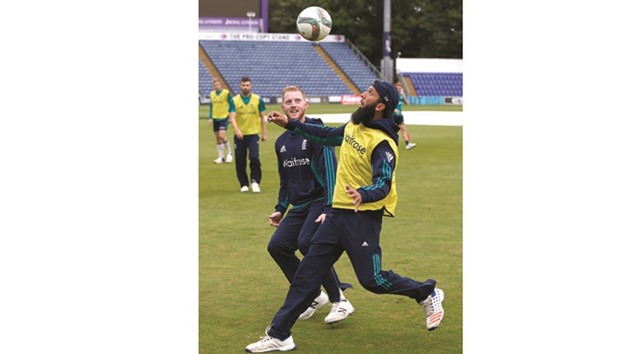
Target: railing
{"type": "Point", "coordinates": [364, 59]}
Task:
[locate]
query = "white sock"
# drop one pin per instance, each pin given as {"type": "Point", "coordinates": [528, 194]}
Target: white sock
{"type": "Point", "coordinates": [220, 150]}
{"type": "Point", "coordinates": [227, 145]}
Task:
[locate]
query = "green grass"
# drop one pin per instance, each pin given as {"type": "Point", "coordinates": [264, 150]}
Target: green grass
{"type": "Point", "coordinates": [241, 287]}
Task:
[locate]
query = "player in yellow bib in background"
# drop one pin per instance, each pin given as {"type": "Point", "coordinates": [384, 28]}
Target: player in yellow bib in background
{"type": "Point", "coordinates": [220, 107]}
{"type": "Point", "coordinates": [248, 122]}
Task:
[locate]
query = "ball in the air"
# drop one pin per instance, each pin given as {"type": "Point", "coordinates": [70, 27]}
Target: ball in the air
{"type": "Point", "coordinates": [314, 23]}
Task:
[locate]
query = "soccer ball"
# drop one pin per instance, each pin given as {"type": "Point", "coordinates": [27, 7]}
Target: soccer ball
{"type": "Point", "coordinates": [314, 23]}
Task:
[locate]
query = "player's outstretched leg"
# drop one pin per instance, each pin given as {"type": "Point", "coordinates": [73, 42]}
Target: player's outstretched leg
{"type": "Point", "coordinates": [434, 310]}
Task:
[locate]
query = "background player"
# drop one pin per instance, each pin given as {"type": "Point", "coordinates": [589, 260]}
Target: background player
{"type": "Point", "coordinates": [399, 119]}
{"type": "Point", "coordinates": [220, 107]}
{"type": "Point", "coordinates": [248, 122]}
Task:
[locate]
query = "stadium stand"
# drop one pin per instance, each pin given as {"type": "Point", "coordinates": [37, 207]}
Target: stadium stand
{"type": "Point", "coordinates": [352, 63]}
{"type": "Point", "coordinates": [329, 69]}
{"type": "Point", "coordinates": [271, 65]}
{"type": "Point", "coordinates": [437, 84]}
{"type": "Point", "coordinates": [204, 79]}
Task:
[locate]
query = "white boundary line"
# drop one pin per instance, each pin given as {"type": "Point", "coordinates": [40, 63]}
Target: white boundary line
{"type": "Point", "coordinates": [411, 118]}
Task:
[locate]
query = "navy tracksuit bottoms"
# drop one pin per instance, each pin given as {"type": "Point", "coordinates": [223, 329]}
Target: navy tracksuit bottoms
{"type": "Point", "coordinates": [249, 143]}
{"type": "Point", "coordinates": [295, 231]}
{"type": "Point", "coordinates": [358, 235]}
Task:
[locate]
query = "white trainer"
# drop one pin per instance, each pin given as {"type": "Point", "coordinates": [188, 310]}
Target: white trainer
{"type": "Point", "coordinates": [219, 160]}
{"type": "Point", "coordinates": [244, 189]}
{"type": "Point", "coordinates": [229, 158]}
{"type": "Point", "coordinates": [340, 311]}
{"type": "Point", "coordinates": [317, 303]}
{"type": "Point", "coordinates": [410, 146]}
{"type": "Point", "coordinates": [433, 308]}
{"type": "Point", "coordinates": [255, 187]}
{"type": "Point", "coordinates": [271, 344]}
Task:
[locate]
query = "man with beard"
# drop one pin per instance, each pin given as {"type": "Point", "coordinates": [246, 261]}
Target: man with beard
{"type": "Point", "coordinates": [365, 191]}
{"type": "Point", "coordinates": [248, 121]}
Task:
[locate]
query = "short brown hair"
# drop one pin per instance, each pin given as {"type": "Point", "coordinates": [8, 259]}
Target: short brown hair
{"type": "Point", "coordinates": [292, 88]}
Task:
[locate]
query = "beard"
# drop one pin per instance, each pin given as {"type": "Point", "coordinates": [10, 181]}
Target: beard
{"type": "Point", "coordinates": [364, 114]}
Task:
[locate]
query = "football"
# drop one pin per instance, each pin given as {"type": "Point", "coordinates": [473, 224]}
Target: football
{"type": "Point", "coordinates": [314, 23]}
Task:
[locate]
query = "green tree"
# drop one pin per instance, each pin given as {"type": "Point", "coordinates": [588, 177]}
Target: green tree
{"type": "Point", "coordinates": [419, 28]}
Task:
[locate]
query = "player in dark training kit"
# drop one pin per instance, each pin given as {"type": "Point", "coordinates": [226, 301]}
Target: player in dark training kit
{"type": "Point", "coordinates": [365, 192]}
{"type": "Point", "coordinates": [307, 173]}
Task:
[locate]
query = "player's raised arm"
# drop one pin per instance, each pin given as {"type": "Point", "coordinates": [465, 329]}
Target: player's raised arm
{"type": "Point", "coordinates": [319, 133]}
